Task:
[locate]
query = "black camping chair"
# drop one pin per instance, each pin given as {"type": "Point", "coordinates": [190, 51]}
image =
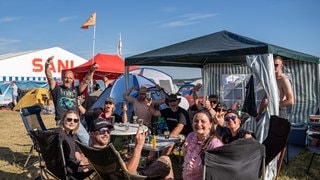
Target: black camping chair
{"type": "Point", "coordinates": [276, 141]}
{"type": "Point", "coordinates": [242, 159]}
{"type": "Point", "coordinates": [50, 150]}
{"type": "Point", "coordinates": [31, 118]}
{"type": "Point", "coordinates": [108, 163]}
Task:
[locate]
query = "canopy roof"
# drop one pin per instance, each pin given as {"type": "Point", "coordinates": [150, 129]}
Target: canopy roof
{"type": "Point", "coordinates": [219, 47]}
{"type": "Point", "coordinates": [111, 66]}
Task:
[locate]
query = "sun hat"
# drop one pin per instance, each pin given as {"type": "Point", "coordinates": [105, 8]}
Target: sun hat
{"type": "Point", "coordinates": [143, 90]}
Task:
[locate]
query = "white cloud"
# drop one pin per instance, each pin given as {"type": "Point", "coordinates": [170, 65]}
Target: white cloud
{"type": "Point", "coordinates": [188, 19]}
{"type": "Point", "coordinates": [169, 9]}
{"type": "Point", "coordinates": [8, 19]}
{"type": "Point", "coordinates": [67, 18]}
{"type": "Point", "coordinates": [8, 45]}
{"type": "Point", "coordinates": [4, 41]}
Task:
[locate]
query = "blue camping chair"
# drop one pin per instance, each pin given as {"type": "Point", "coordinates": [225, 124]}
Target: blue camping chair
{"type": "Point", "coordinates": [31, 118]}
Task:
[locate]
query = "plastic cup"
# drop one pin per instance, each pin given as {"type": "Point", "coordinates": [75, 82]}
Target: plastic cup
{"type": "Point", "coordinates": [126, 126]}
{"type": "Point", "coordinates": [112, 119]}
{"type": "Point", "coordinates": [166, 134]}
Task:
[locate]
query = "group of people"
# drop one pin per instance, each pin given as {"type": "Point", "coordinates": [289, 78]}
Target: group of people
{"type": "Point", "coordinates": [205, 125]}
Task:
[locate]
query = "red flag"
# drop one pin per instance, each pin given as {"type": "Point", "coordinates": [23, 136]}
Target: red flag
{"type": "Point", "coordinates": [90, 22]}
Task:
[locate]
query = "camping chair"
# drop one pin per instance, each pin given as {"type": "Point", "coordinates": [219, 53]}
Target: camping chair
{"type": "Point", "coordinates": [276, 141]}
{"type": "Point", "coordinates": [241, 159]}
{"type": "Point", "coordinates": [313, 141]}
{"type": "Point", "coordinates": [108, 163]}
{"type": "Point", "coordinates": [31, 119]}
{"type": "Point", "coordinates": [50, 150]}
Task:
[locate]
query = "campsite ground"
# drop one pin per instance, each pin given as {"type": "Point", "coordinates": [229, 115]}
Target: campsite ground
{"type": "Point", "coordinates": [15, 145]}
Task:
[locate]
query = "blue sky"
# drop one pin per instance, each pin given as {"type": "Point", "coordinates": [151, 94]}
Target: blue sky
{"type": "Point", "coordinates": [146, 25]}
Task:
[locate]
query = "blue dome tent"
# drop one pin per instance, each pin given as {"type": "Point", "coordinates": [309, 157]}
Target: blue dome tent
{"type": "Point", "coordinates": [118, 88]}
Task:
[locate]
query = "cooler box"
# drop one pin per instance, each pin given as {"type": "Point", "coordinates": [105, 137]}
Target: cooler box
{"type": "Point", "coordinates": [297, 135]}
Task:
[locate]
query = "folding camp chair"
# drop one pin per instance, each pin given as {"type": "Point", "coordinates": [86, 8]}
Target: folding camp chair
{"type": "Point", "coordinates": [242, 159]}
{"type": "Point", "coordinates": [276, 141]}
{"type": "Point", "coordinates": [108, 163]}
{"type": "Point", "coordinates": [50, 150]}
{"type": "Point", "coordinates": [31, 119]}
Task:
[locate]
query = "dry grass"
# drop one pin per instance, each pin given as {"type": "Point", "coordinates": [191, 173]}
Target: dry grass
{"type": "Point", "coordinates": [15, 145]}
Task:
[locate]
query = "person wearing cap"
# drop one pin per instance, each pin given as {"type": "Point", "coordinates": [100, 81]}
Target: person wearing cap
{"type": "Point", "coordinates": [140, 107]}
{"type": "Point", "coordinates": [100, 134]}
{"type": "Point", "coordinates": [176, 118]}
{"type": "Point", "coordinates": [233, 124]}
{"type": "Point", "coordinates": [108, 111]}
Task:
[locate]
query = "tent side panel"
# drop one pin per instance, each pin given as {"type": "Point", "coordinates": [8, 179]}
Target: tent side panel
{"type": "Point", "coordinates": [304, 82]}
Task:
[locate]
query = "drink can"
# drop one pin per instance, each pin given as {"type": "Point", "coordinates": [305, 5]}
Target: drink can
{"type": "Point", "coordinates": [142, 162]}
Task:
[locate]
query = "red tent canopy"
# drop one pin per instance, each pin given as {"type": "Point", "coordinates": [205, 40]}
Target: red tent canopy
{"type": "Point", "coordinates": [110, 65]}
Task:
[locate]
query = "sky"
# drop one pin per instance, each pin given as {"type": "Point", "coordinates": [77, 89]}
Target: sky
{"type": "Point", "coordinates": [146, 25]}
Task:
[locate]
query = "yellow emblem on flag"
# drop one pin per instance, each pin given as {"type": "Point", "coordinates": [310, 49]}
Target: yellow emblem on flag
{"type": "Point", "coordinates": [90, 22]}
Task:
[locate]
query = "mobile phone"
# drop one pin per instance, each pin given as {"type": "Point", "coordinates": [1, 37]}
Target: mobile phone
{"type": "Point", "coordinates": [148, 95]}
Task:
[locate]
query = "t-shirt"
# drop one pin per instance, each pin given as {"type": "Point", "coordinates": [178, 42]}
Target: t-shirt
{"type": "Point", "coordinates": [64, 99]}
{"type": "Point", "coordinates": [192, 166]}
{"type": "Point", "coordinates": [174, 118]}
{"type": "Point", "coordinates": [228, 138]}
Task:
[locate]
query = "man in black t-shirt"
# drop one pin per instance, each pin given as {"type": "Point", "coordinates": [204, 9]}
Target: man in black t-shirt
{"type": "Point", "coordinates": [177, 118]}
{"type": "Point", "coordinates": [65, 96]}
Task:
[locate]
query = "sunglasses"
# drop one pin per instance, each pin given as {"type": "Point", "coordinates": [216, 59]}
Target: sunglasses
{"type": "Point", "coordinates": [276, 65]}
{"type": "Point", "coordinates": [230, 118]}
{"type": "Point", "coordinates": [74, 120]}
{"type": "Point", "coordinates": [213, 102]}
{"type": "Point", "coordinates": [172, 101]}
{"type": "Point", "coordinates": [108, 102]}
{"type": "Point", "coordinates": [103, 131]}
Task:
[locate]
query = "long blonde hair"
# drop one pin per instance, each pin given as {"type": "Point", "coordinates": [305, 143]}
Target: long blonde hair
{"type": "Point", "coordinates": [64, 118]}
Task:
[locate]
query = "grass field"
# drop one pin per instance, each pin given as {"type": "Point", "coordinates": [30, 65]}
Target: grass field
{"type": "Point", "coordinates": [15, 146]}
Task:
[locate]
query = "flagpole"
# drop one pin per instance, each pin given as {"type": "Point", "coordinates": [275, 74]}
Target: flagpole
{"type": "Point", "coordinates": [94, 42]}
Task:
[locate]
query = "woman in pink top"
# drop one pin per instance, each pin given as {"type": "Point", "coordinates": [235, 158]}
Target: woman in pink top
{"type": "Point", "coordinates": [203, 137]}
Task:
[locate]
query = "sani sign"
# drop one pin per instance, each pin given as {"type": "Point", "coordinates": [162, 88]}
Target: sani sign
{"type": "Point", "coordinates": [27, 69]}
{"type": "Point", "coordinates": [29, 66]}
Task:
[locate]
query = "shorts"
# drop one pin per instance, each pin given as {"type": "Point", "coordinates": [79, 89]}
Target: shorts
{"type": "Point", "coordinates": [158, 168]}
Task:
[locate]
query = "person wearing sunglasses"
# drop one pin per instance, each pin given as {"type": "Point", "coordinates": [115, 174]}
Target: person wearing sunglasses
{"type": "Point", "coordinates": [109, 111]}
{"type": "Point", "coordinates": [100, 131]}
{"type": "Point", "coordinates": [233, 124]}
{"type": "Point", "coordinates": [204, 137]}
{"type": "Point", "coordinates": [100, 135]}
{"type": "Point", "coordinates": [76, 162]}
{"type": "Point", "coordinates": [285, 91]}
{"type": "Point", "coordinates": [177, 119]}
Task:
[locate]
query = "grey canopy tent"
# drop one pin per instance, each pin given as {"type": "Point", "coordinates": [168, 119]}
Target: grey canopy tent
{"type": "Point", "coordinates": [219, 47]}
{"type": "Point", "coordinates": [228, 53]}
